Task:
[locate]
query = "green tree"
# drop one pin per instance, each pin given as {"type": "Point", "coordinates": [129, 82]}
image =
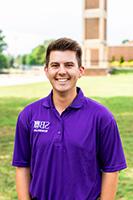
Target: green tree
{"type": "Point", "coordinates": [3, 61]}
{"type": "Point", "coordinates": [3, 44]}
{"type": "Point", "coordinates": [3, 58]}
{"type": "Point", "coordinates": [23, 60]}
{"type": "Point", "coordinates": [30, 60]}
{"type": "Point", "coordinates": [38, 55]}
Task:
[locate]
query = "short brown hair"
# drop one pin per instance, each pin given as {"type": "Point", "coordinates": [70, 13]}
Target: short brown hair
{"type": "Point", "coordinates": [63, 44]}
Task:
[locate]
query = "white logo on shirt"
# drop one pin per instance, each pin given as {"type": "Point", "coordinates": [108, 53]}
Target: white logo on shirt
{"type": "Point", "coordinates": [41, 126]}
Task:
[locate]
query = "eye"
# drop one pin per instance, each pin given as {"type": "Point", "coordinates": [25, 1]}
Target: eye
{"type": "Point", "coordinates": [69, 65]}
{"type": "Point", "coordinates": [54, 66]}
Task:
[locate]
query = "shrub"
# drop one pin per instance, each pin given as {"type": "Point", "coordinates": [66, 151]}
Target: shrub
{"type": "Point", "coordinates": [122, 59]}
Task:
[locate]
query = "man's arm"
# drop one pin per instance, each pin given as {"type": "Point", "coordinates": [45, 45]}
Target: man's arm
{"type": "Point", "coordinates": [22, 183]}
{"type": "Point", "coordinates": [109, 185]}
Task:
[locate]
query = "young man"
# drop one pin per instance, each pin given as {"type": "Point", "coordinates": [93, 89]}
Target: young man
{"type": "Point", "coordinates": [67, 146]}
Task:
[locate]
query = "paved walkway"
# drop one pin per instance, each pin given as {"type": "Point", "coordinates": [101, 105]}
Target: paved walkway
{"type": "Point", "coordinates": [19, 79]}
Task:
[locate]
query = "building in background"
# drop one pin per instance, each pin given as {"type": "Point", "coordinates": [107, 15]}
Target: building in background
{"type": "Point", "coordinates": [96, 53]}
{"type": "Point", "coordinates": [124, 51]}
{"type": "Point", "coordinates": [94, 37]}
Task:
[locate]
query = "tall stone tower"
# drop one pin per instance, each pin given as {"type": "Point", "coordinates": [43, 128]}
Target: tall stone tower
{"type": "Point", "coordinates": [94, 36]}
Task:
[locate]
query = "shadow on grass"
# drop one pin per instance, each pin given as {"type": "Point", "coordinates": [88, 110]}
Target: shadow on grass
{"type": "Point", "coordinates": [121, 107]}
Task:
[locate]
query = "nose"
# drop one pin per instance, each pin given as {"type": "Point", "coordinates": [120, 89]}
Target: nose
{"type": "Point", "coordinates": [62, 69]}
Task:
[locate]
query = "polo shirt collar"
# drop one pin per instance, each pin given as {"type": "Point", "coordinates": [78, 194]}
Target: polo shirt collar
{"type": "Point", "coordinates": [77, 102]}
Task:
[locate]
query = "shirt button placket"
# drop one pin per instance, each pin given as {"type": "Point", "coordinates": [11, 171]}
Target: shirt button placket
{"type": "Point", "coordinates": [59, 132]}
{"type": "Point", "coordinates": [59, 136]}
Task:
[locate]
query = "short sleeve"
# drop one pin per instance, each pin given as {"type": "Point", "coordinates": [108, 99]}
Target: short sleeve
{"type": "Point", "coordinates": [22, 152]}
{"type": "Point", "coordinates": [110, 149]}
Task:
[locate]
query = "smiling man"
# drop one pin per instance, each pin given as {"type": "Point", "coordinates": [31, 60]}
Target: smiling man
{"type": "Point", "coordinates": [67, 146]}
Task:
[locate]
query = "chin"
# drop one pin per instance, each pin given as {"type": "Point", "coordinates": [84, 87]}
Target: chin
{"type": "Point", "coordinates": [62, 90]}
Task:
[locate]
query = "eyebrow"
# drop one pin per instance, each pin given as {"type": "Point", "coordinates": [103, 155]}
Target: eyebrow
{"type": "Point", "coordinates": [69, 62]}
{"type": "Point", "coordinates": [54, 63]}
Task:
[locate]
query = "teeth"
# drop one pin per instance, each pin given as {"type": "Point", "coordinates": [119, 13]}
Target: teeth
{"type": "Point", "coordinates": [62, 80]}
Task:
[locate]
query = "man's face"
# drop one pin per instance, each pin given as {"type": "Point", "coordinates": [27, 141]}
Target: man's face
{"type": "Point", "coordinates": [63, 70]}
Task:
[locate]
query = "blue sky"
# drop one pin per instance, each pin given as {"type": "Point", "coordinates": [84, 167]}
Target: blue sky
{"type": "Point", "coordinates": [27, 23]}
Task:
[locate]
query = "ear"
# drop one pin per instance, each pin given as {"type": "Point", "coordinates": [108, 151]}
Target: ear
{"type": "Point", "coordinates": [46, 70]}
{"type": "Point", "coordinates": [81, 71]}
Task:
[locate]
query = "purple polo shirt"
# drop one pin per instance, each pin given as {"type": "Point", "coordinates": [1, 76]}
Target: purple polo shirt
{"type": "Point", "coordinates": [67, 153]}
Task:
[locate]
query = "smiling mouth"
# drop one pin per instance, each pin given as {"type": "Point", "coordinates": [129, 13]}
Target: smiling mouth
{"type": "Point", "coordinates": [62, 80]}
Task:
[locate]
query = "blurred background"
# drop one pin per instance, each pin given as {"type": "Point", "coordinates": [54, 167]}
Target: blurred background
{"type": "Point", "coordinates": [26, 28]}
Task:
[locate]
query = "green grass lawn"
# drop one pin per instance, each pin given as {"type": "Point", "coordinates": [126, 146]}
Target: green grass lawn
{"type": "Point", "coordinates": [116, 92]}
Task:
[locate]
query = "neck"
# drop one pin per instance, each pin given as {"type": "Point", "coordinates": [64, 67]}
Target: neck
{"type": "Point", "coordinates": [63, 100]}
